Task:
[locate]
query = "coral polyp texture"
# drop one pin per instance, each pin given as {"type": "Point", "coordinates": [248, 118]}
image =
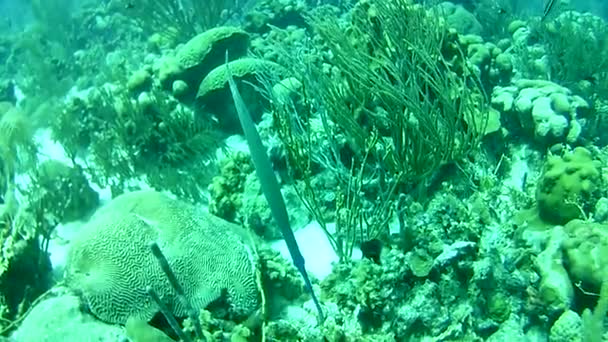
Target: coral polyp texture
{"type": "Point", "coordinates": [110, 263]}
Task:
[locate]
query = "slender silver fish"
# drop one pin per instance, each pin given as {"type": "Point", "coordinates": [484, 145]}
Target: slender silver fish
{"type": "Point", "coordinates": [270, 185]}
{"type": "Point", "coordinates": [549, 6]}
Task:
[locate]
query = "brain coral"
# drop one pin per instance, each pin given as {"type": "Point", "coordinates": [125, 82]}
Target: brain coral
{"type": "Point", "coordinates": [110, 263]}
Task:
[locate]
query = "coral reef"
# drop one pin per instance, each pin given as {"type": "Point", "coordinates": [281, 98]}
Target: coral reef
{"type": "Point", "coordinates": [442, 164]}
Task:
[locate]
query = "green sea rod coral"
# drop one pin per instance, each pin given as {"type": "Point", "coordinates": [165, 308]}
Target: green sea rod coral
{"type": "Point", "coordinates": [110, 263]}
{"type": "Point", "coordinates": [577, 47]}
{"type": "Point", "coordinates": [389, 103]}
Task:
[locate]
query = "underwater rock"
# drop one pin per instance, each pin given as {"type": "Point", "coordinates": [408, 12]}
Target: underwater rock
{"type": "Point", "coordinates": [110, 263]}
{"type": "Point", "coordinates": [600, 213]}
{"type": "Point", "coordinates": [139, 330]}
{"type": "Point", "coordinates": [576, 253]}
{"type": "Point", "coordinates": [454, 253]}
{"type": "Point", "coordinates": [510, 330]}
{"type": "Point", "coordinates": [62, 319]}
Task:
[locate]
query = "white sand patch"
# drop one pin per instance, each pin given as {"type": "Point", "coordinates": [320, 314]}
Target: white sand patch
{"type": "Point", "coordinates": [316, 249]}
{"type": "Point", "coordinates": [519, 168]}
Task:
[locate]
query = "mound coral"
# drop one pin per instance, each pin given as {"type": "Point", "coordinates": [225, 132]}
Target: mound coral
{"type": "Point", "coordinates": [544, 110]}
{"type": "Point", "coordinates": [110, 263]}
{"type": "Point", "coordinates": [569, 186]}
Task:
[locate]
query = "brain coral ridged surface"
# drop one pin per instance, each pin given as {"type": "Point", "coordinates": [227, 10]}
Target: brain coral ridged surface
{"type": "Point", "coordinates": [110, 263]}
